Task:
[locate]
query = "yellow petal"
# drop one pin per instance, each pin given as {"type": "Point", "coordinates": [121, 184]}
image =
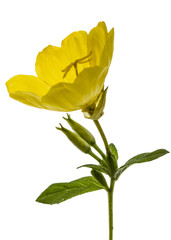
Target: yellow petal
{"type": "Point", "coordinates": [50, 63]}
{"type": "Point", "coordinates": [107, 53]}
{"type": "Point", "coordinates": [27, 89]}
{"type": "Point", "coordinates": [75, 47]}
{"type": "Point", "coordinates": [78, 95]}
{"type": "Point", "coordinates": [57, 87]}
{"type": "Point", "coordinates": [96, 42]}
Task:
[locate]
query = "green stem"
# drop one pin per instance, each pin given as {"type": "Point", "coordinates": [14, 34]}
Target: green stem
{"type": "Point", "coordinates": [102, 135]}
{"type": "Point", "coordinates": [112, 182]}
{"type": "Point", "coordinates": [95, 156]}
{"type": "Point", "coordinates": [96, 147]}
{"type": "Point", "coordinates": [110, 206]}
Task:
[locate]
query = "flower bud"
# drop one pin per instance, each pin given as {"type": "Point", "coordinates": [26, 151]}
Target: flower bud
{"type": "Point", "coordinates": [99, 177]}
{"type": "Point", "coordinates": [82, 131]}
{"type": "Point", "coordinates": [95, 111]}
{"type": "Point", "coordinates": [76, 140]}
{"type": "Point", "coordinates": [113, 150]}
{"type": "Point", "coordinates": [112, 162]}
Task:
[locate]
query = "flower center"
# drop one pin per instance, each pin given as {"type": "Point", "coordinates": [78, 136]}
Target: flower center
{"type": "Point", "coordinates": [74, 64]}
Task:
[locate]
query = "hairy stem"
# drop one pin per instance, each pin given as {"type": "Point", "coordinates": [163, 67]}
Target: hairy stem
{"type": "Point", "coordinates": [112, 182]}
{"type": "Point", "coordinates": [95, 157]}
{"type": "Point", "coordinates": [95, 146]}
{"type": "Point", "coordinates": [110, 207]}
{"type": "Point", "coordinates": [102, 135]}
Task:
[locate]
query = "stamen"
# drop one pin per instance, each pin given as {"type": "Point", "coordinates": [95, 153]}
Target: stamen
{"type": "Point", "coordinates": [67, 69]}
{"type": "Point", "coordinates": [74, 64]}
{"type": "Point", "coordinates": [79, 60]}
{"type": "Point", "coordinates": [88, 60]}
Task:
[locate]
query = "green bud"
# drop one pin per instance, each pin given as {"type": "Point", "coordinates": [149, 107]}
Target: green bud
{"type": "Point", "coordinates": [113, 157]}
{"type": "Point", "coordinates": [112, 162]}
{"type": "Point", "coordinates": [113, 150]}
{"type": "Point", "coordinates": [95, 111]}
{"type": "Point", "coordinates": [82, 131]}
{"type": "Point", "coordinates": [76, 140]}
{"type": "Point", "coordinates": [99, 177]}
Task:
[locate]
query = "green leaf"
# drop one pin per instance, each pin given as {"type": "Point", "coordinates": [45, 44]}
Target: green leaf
{"type": "Point", "coordinates": [113, 150]}
{"type": "Point", "coordinates": [147, 157]}
{"type": "Point", "coordinates": [59, 192]}
{"type": "Point", "coordinates": [97, 168]}
{"type": "Point", "coordinates": [140, 158]}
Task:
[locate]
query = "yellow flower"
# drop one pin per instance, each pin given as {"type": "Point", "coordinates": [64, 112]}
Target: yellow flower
{"type": "Point", "coordinates": [69, 77]}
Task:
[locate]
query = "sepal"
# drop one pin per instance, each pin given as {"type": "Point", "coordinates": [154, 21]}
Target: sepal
{"type": "Point", "coordinates": [95, 111]}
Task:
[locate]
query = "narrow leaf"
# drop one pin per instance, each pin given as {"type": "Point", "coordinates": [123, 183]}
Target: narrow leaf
{"type": "Point", "coordinates": [97, 168]}
{"type": "Point", "coordinates": [140, 158]}
{"type": "Point", "coordinates": [147, 157]}
{"type": "Point", "coordinates": [59, 192]}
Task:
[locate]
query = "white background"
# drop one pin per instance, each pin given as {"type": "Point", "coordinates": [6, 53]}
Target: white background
{"type": "Point", "coordinates": [137, 119]}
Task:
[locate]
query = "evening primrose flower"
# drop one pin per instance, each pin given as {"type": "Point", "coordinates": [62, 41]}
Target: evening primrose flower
{"type": "Point", "coordinates": [69, 77]}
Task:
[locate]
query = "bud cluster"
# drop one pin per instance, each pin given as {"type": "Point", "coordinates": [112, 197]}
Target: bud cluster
{"type": "Point", "coordinates": [81, 137]}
